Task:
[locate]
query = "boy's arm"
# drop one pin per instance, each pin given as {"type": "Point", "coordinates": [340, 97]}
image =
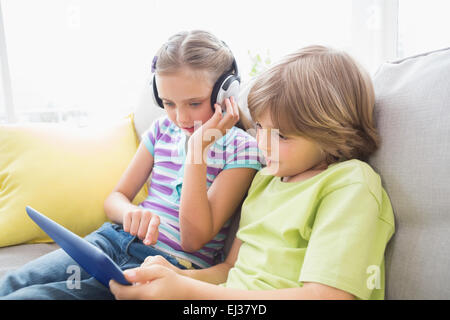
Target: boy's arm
{"type": "Point", "coordinates": [217, 274]}
{"type": "Point", "coordinates": [206, 288]}
{"type": "Point", "coordinates": [198, 290]}
{"type": "Point", "coordinates": [158, 282]}
{"type": "Point", "coordinates": [162, 283]}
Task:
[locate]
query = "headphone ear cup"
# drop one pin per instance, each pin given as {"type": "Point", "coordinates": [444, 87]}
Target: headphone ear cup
{"type": "Point", "coordinates": [155, 94]}
{"type": "Point", "coordinates": [216, 89]}
{"type": "Point", "coordinates": [228, 87]}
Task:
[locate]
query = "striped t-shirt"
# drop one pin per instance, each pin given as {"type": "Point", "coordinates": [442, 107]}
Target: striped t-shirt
{"type": "Point", "coordinates": [167, 144]}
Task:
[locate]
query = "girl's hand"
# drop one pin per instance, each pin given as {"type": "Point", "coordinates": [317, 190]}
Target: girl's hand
{"type": "Point", "coordinates": [154, 282]}
{"type": "Point", "coordinates": [143, 224]}
{"type": "Point", "coordinates": [217, 126]}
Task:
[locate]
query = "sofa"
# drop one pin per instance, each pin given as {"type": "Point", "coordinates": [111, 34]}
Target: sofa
{"type": "Point", "coordinates": [413, 117]}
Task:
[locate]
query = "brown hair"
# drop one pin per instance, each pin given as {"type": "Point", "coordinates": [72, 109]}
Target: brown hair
{"type": "Point", "coordinates": [321, 94]}
{"type": "Point", "coordinates": [197, 50]}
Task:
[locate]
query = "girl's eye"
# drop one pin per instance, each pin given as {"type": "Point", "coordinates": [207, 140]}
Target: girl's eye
{"type": "Point", "coordinates": [282, 137]}
{"type": "Point", "coordinates": [169, 104]}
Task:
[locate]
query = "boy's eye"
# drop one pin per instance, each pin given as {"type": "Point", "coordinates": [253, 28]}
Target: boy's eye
{"type": "Point", "coordinates": [274, 133]}
{"type": "Point", "coordinates": [195, 104]}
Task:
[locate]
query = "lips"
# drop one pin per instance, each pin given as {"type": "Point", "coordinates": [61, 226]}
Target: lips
{"type": "Point", "coordinates": [270, 161]}
{"type": "Point", "coordinates": [189, 129]}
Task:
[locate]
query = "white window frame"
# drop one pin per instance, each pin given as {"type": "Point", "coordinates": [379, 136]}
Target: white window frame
{"type": "Point", "coordinates": [5, 79]}
{"type": "Point", "coordinates": [374, 27]}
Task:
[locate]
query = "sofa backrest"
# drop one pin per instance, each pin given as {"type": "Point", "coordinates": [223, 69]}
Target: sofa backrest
{"type": "Point", "coordinates": [412, 111]}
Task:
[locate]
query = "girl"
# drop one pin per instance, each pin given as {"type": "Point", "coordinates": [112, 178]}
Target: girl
{"type": "Point", "coordinates": [316, 220]}
{"type": "Point", "coordinates": [201, 167]}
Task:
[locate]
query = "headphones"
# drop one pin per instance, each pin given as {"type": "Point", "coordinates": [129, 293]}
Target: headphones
{"type": "Point", "coordinates": [226, 86]}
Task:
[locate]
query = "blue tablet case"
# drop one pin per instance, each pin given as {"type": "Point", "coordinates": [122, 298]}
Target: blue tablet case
{"type": "Point", "coordinates": [93, 260]}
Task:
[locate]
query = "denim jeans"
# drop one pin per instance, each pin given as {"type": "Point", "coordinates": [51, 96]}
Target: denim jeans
{"type": "Point", "coordinates": [49, 276]}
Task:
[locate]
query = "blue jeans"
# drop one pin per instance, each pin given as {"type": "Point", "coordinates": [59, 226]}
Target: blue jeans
{"type": "Point", "coordinates": [49, 276]}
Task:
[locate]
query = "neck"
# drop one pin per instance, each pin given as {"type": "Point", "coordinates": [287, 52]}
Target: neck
{"type": "Point", "coordinates": [311, 172]}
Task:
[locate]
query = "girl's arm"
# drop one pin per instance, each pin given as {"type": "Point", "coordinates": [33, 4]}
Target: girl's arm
{"type": "Point", "coordinates": [120, 200]}
{"type": "Point", "coordinates": [203, 212]}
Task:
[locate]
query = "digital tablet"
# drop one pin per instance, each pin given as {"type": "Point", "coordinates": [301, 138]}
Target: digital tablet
{"type": "Point", "coordinates": [93, 260]}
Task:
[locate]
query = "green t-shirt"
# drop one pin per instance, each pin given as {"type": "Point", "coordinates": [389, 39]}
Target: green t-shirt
{"type": "Point", "coordinates": [331, 229]}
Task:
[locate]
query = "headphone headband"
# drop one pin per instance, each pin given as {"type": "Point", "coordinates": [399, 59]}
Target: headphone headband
{"type": "Point", "coordinates": [226, 85]}
{"type": "Point", "coordinates": [155, 59]}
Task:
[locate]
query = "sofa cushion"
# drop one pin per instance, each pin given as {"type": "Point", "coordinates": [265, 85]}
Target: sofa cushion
{"type": "Point", "coordinates": [64, 173]}
{"type": "Point", "coordinates": [413, 117]}
{"type": "Point", "coordinates": [14, 257]}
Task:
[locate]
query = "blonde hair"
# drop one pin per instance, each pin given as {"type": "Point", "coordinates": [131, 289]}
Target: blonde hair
{"type": "Point", "coordinates": [323, 95]}
{"type": "Point", "coordinates": [197, 50]}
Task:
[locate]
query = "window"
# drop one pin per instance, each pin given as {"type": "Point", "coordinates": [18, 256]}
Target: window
{"type": "Point", "coordinates": [423, 26]}
{"type": "Point", "coordinates": [84, 61]}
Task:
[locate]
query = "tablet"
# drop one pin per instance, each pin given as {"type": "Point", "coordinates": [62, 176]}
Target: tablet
{"type": "Point", "coordinates": [93, 260]}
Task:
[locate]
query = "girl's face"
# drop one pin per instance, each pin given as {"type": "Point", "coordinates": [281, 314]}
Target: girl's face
{"type": "Point", "coordinates": [287, 156]}
{"type": "Point", "coordinates": [186, 96]}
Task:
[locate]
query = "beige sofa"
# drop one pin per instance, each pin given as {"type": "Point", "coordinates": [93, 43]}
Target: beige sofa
{"type": "Point", "coordinates": [413, 117]}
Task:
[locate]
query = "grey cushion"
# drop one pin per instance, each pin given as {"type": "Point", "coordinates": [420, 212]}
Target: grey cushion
{"type": "Point", "coordinates": [15, 256]}
{"type": "Point", "coordinates": [413, 117]}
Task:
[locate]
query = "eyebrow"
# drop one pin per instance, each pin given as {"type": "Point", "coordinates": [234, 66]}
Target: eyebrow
{"type": "Point", "coordinates": [190, 99]}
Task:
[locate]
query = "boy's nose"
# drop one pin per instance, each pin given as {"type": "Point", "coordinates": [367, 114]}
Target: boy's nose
{"type": "Point", "coordinates": [262, 141]}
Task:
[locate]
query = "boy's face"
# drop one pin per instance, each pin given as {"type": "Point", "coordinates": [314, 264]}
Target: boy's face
{"type": "Point", "coordinates": [286, 156]}
{"type": "Point", "coordinates": [186, 97]}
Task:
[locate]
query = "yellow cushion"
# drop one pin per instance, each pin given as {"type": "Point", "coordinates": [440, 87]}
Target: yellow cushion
{"type": "Point", "coordinates": [64, 173]}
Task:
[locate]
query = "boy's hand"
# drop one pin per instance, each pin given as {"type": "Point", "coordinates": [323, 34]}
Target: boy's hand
{"type": "Point", "coordinates": [154, 282]}
{"type": "Point", "coordinates": [160, 260]}
{"type": "Point", "coordinates": [143, 224]}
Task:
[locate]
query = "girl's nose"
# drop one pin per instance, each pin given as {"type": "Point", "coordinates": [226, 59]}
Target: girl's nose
{"type": "Point", "coordinates": [183, 117]}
